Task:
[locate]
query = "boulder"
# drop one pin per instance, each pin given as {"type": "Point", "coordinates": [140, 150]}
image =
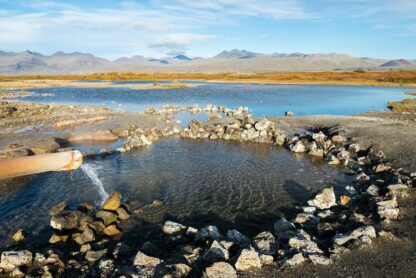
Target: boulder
{"type": "Point", "coordinates": [113, 202]}
{"type": "Point", "coordinates": [281, 226]}
{"type": "Point", "coordinates": [373, 190]}
{"type": "Point", "coordinates": [182, 270]}
{"type": "Point", "coordinates": [122, 214]}
{"type": "Point", "coordinates": [263, 124]}
{"type": "Point", "coordinates": [146, 265]}
{"type": "Point", "coordinates": [296, 259]}
{"type": "Point", "coordinates": [247, 260]}
{"type": "Point", "coordinates": [107, 217]}
{"type": "Point", "coordinates": [237, 237]}
{"type": "Point", "coordinates": [208, 233]}
{"type": "Point", "coordinates": [298, 147]}
{"type": "Point", "coordinates": [324, 200]}
{"type": "Point", "coordinates": [305, 245]}
{"type": "Point", "coordinates": [86, 236]}
{"type": "Point", "coordinates": [66, 220]}
{"type": "Point", "coordinates": [317, 259]}
{"type": "Point", "coordinates": [111, 230]}
{"type": "Point", "coordinates": [220, 270]}
{"type": "Point", "coordinates": [11, 260]}
{"type": "Point", "coordinates": [266, 259]}
{"type": "Point", "coordinates": [173, 228]}
{"type": "Point", "coordinates": [57, 208]}
{"type": "Point", "coordinates": [388, 209]}
{"type": "Point", "coordinates": [55, 238]}
{"type": "Point", "coordinates": [93, 256]}
{"type": "Point", "coordinates": [398, 190]}
{"type": "Point", "coordinates": [266, 243]}
{"type": "Point", "coordinates": [367, 231]}
{"type": "Point", "coordinates": [216, 253]}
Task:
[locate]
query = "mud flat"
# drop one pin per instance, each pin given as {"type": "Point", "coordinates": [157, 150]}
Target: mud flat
{"type": "Point", "coordinates": [372, 218]}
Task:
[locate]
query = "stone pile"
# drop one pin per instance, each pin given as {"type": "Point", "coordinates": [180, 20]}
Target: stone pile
{"type": "Point", "coordinates": [138, 137]}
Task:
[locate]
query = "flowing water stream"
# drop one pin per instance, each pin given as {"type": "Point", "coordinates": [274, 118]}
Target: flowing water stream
{"type": "Point", "coordinates": [91, 172]}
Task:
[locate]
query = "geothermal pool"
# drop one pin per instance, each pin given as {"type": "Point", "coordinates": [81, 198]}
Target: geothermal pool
{"type": "Point", "coordinates": [229, 184]}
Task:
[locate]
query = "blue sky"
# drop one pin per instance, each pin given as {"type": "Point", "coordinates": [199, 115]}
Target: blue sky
{"type": "Point", "coordinates": [158, 28]}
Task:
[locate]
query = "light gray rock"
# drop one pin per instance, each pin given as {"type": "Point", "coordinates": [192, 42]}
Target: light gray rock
{"type": "Point", "coordinates": [324, 200]}
{"type": "Point", "coordinates": [398, 190]}
{"type": "Point", "coordinates": [141, 259]}
{"type": "Point", "coordinates": [220, 270]}
{"type": "Point", "coordinates": [216, 253]}
{"type": "Point", "coordinates": [266, 259]}
{"type": "Point", "coordinates": [65, 220]}
{"type": "Point", "coordinates": [296, 259]}
{"type": "Point", "coordinates": [368, 231]}
{"type": "Point", "coordinates": [248, 259]}
{"type": "Point", "coordinates": [388, 209]}
{"type": "Point", "coordinates": [93, 256]}
{"type": "Point", "coordinates": [304, 245]}
{"type": "Point", "coordinates": [11, 260]}
{"type": "Point", "coordinates": [266, 243]}
{"type": "Point", "coordinates": [298, 147]}
{"type": "Point", "coordinates": [320, 259]}
{"type": "Point", "coordinates": [373, 190]}
{"type": "Point", "coordinates": [173, 228]}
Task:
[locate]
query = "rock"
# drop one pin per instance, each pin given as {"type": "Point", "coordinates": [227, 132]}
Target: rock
{"type": "Point", "coordinates": [344, 200]}
{"type": "Point", "coordinates": [319, 259]}
{"type": "Point", "coordinates": [65, 220]}
{"type": "Point", "coordinates": [298, 147]}
{"type": "Point", "coordinates": [381, 168]}
{"type": "Point", "coordinates": [19, 236]}
{"type": "Point", "coordinates": [121, 250]}
{"type": "Point", "coordinates": [11, 260]}
{"type": "Point", "coordinates": [111, 230]}
{"type": "Point", "coordinates": [368, 231]}
{"type": "Point", "coordinates": [107, 217]}
{"type": "Point", "coordinates": [113, 201]}
{"type": "Point", "coordinates": [216, 253]}
{"type": "Point", "coordinates": [55, 238]}
{"type": "Point", "coordinates": [305, 245]}
{"type": "Point", "coordinates": [86, 236]}
{"type": "Point", "coordinates": [106, 268]}
{"type": "Point", "coordinates": [93, 256]}
{"type": "Point", "coordinates": [220, 270]}
{"type": "Point", "coordinates": [237, 237]}
{"type": "Point", "coordinates": [324, 200]}
{"type": "Point", "coordinates": [173, 228]}
{"type": "Point", "coordinates": [398, 190]}
{"type": "Point", "coordinates": [39, 259]}
{"type": "Point", "coordinates": [289, 113]}
{"type": "Point", "coordinates": [373, 190]}
{"type": "Point", "coordinates": [85, 248]}
{"type": "Point", "coordinates": [182, 270]}
{"type": "Point", "coordinates": [208, 233]}
{"type": "Point", "coordinates": [281, 226]}
{"type": "Point", "coordinates": [296, 259]}
{"type": "Point", "coordinates": [57, 208]}
{"type": "Point", "coordinates": [302, 218]}
{"type": "Point", "coordinates": [332, 159]}
{"type": "Point", "coordinates": [317, 152]}
{"type": "Point", "coordinates": [266, 243]}
{"type": "Point", "coordinates": [280, 140]}
{"type": "Point", "coordinates": [122, 214]}
{"type": "Point", "coordinates": [388, 209]}
{"type": "Point", "coordinates": [266, 259]}
{"type": "Point", "coordinates": [247, 260]}
{"type": "Point", "coordinates": [263, 124]}
{"type": "Point", "coordinates": [142, 259]}
{"type": "Point", "coordinates": [191, 232]}
{"type": "Point", "coordinates": [338, 139]}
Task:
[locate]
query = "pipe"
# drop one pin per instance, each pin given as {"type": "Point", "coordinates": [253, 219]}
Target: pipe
{"type": "Point", "coordinates": [27, 165]}
{"type": "Point", "coordinates": [100, 135]}
{"type": "Point", "coordinates": [66, 123]}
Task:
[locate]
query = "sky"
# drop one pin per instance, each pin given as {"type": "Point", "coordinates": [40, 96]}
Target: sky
{"type": "Point", "coordinates": [203, 28]}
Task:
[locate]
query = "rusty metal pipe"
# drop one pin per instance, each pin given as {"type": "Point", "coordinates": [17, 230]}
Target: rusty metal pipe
{"type": "Point", "coordinates": [27, 165]}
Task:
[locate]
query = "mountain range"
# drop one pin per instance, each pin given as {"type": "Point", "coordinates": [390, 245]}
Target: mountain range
{"type": "Point", "coordinates": [28, 62]}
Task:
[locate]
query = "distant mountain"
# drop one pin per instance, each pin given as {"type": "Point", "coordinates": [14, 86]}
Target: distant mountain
{"type": "Point", "coordinates": [396, 63]}
{"type": "Point", "coordinates": [28, 62]}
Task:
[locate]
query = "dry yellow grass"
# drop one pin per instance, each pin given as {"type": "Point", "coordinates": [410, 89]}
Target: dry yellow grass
{"type": "Point", "coordinates": [406, 105]}
{"type": "Point", "coordinates": [380, 78]}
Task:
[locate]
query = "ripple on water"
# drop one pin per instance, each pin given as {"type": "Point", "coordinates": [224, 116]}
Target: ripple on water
{"type": "Point", "coordinates": [230, 184]}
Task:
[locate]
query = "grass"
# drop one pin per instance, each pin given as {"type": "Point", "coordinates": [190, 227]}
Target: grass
{"type": "Point", "coordinates": [358, 77]}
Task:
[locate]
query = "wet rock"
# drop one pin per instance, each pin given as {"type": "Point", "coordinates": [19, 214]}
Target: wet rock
{"type": "Point", "coordinates": [298, 147]}
{"type": "Point", "coordinates": [296, 259]}
{"type": "Point", "coordinates": [344, 200]}
{"type": "Point", "coordinates": [247, 260]}
{"type": "Point", "coordinates": [113, 202]}
{"type": "Point", "coordinates": [153, 213]}
{"type": "Point", "coordinates": [55, 238]}
{"type": "Point", "coordinates": [86, 236]}
{"type": "Point", "coordinates": [173, 228]}
{"type": "Point", "coordinates": [280, 140]}
{"type": "Point", "coordinates": [319, 259]}
{"type": "Point", "coordinates": [107, 217]}
{"type": "Point", "coordinates": [19, 236]}
{"type": "Point", "coordinates": [317, 152]}
{"type": "Point", "coordinates": [220, 270]}
{"type": "Point", "coordinates": [324, 200]}
{"type": "Point", "coordinates": [237, 237]}
{"type": "Point", "coordinates": [65, 220]}
{"type": "Point", "coordinates": [332, 159]}
{"type": "Point", "coordinates": [93, 256]}
{"type": "Point", "coordinates": [111, 230]}
{"type": "Point", "coordinates": [58, 208]}
{"type": "Point", "coordinates": [208, 233]}
{"type": "Point", "coordinates": [266, 243]}
{"type": "Point", "coordinates": [122, 214]}
{"type": "Point", "coordinates": [11, 260]}
{"type": "Point", "coordinates": [121, 250]}
{"type": "Point", "coordinates": [216, 253]}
